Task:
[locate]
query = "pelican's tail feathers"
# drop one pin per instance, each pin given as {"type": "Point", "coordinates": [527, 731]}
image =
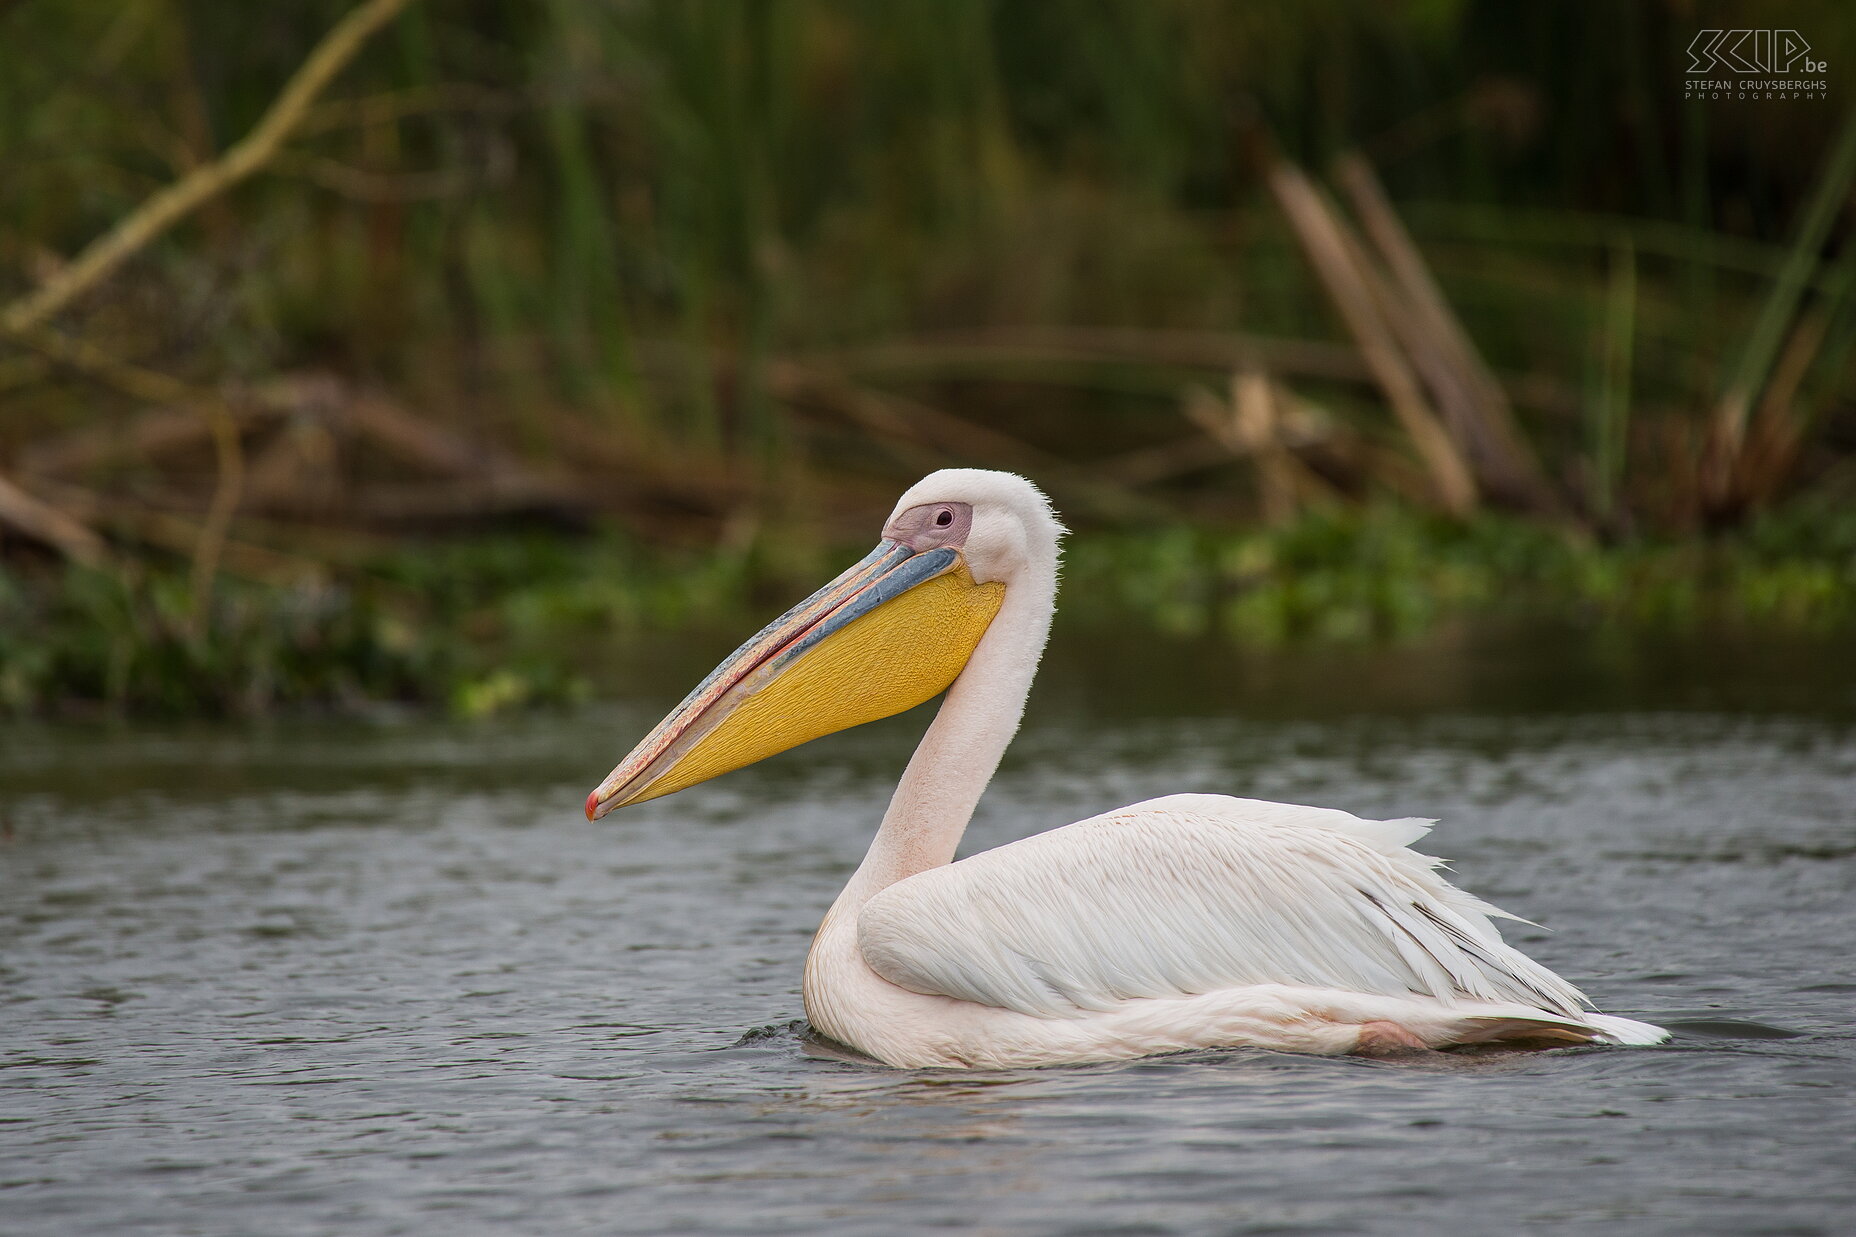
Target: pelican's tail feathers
{"type": "Point", "coordinates": [1624, 1031]}
{"type": "Point", "coordinates": [1540, 1028]}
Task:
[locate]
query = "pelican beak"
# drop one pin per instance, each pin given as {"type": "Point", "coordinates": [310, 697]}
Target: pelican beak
{"type": "Point", "coordinates": [893, 631]}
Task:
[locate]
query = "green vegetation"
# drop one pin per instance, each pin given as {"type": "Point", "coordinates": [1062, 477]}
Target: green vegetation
{"type": "Point", "coordinates": [477, 626]}
{"type": "Point", "coordinates": [1391, 573]}
{"type": "Point", "coordinates": [1320, 319]}
{"type": "Point", "coordinates": [482, 626]}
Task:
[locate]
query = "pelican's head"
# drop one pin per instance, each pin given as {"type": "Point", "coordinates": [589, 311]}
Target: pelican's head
{"type": "Point", "coordinates": [893, 631]}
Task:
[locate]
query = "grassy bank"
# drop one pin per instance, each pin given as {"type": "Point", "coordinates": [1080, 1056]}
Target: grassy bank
{"type": "Point", "coordinates": [480, 626]}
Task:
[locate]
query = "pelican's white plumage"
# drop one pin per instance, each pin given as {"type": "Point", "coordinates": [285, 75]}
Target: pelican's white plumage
{"type": "Point", "coordinates": [1190, 921]}
{"type": "Point", "coordinates": [1192, 894]}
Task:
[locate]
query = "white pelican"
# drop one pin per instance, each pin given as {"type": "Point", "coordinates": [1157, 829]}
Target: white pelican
{"type": "Point", "coordinates": [1192, 921]}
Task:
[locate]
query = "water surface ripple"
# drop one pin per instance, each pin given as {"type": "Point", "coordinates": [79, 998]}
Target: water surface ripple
{"type": "Point", "coordinates": [385, 979]}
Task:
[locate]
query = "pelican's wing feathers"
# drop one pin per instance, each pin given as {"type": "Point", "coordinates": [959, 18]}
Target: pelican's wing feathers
{"type": "Point", "coordinates": [1192, 894]}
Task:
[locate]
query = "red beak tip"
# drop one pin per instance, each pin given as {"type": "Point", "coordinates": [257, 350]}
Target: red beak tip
{"type": "Point", "coordinates": [592, 805]}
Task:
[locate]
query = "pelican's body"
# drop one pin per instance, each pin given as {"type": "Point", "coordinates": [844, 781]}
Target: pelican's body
{"type": "Point", "coordinates": [1192, 921]}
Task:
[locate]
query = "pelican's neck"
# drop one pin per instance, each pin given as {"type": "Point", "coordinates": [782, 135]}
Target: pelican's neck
{"type": "Point", "coordinates": [955, 760]}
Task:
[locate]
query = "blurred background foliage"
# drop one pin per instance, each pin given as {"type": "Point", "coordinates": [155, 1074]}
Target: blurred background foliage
{"type": "Point", "coordinates": [556, 319]}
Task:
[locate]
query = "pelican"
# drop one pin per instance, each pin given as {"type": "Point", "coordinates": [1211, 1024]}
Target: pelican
{"type": "Point", "coordinates": [1190, 921]}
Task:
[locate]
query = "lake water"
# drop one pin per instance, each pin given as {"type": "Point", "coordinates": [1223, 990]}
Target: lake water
{"type": "Point", "coordinates": [383, 977]}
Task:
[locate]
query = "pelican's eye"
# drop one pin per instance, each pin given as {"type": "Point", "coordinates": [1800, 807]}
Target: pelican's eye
{"type": "Point", "coordinates": [943, 518]}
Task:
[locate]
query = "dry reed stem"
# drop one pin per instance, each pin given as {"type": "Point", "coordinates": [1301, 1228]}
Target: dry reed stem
{"type": "Point", "coordinates": [147, 434]}
{"type": "Point", "coordinates": [134, 521]}
{"type": "Point", "coordinates": [149, 386]}
{"type": "Point", "coordinates": [1770, 446]}
{"type": "Point", "coordinates": [228, 487]}
{"type": "Point", "coordinates": [168, 206]}
{"type": "Point", "coordinates": [44, 522]}
{"type": "Point", "coordinates": [1474, 403]}
{"type": "Point", "coordinates": [295, 470]}
{"type": "Point", "coordinates": [423, 442]}
{"type": "Point", "coordinates": [1339, 263]}
{"type": "Point", "coordinates": [1255, 423]}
